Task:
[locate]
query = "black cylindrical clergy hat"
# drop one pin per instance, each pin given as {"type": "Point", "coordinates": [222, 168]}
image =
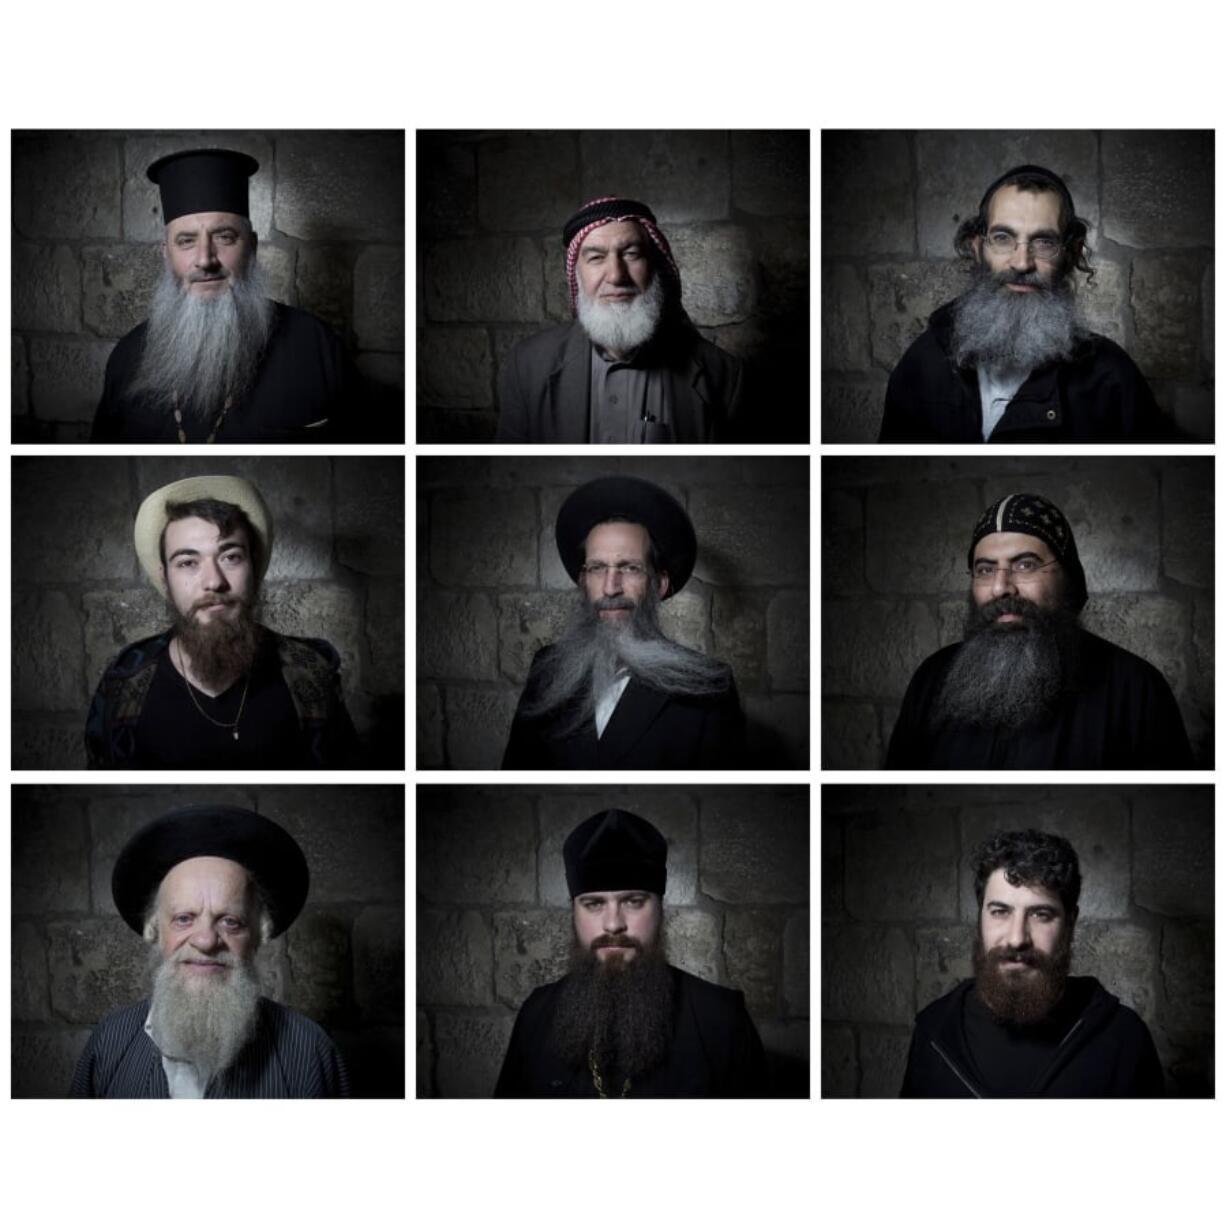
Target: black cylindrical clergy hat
{"type": "Point", "coordinates": [203, 181]}
{"type": "Point", "coordinates": [615, 850]}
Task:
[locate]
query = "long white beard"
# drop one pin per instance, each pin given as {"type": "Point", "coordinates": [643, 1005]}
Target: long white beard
{"type": "Point", "coordinates": [995, 327]}
{"type": "Point", "coordinates": [623, 326]}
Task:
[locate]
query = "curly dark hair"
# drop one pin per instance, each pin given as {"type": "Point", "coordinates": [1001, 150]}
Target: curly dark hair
{"type": "Point", "coordinates": [1030, 857]}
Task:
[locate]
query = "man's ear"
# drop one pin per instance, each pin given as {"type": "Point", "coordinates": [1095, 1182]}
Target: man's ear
{"type": "Point", "coordinates": [662, 584]}
{"type": "Point", "coordinates": [977, 248]}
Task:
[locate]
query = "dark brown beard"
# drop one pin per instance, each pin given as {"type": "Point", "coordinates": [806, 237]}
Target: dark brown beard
{"type": "Point", "coordinates": [1018, 998]}
{"type": "Point", "coordinates": [222, 648]}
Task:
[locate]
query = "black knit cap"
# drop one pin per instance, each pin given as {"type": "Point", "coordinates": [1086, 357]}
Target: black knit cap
{"type": "Point", "coordinates": [640, 502]}
{"type": "Point", "coordinates": [203, 181]}
{"type": "Point", "coordinates": [615, 850]}
{"type": "Point", "coordinates": [267, 851]}
{"type": "Point", "coordinates": [1034, 172]}
{"type": "Point", "coordinates": [614, 206]}
{"type": "Point", "coordinates": [1034, 515]}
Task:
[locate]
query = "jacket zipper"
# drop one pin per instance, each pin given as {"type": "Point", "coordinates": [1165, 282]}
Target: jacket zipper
{"type": "Point", "coordinates": [956, 1071]}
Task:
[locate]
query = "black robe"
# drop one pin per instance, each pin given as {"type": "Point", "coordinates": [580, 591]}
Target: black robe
{"type": "Point", "coordinates": [1122, 716]}
{"type": "Point", "coordinates": [305, 392]}
{"type": "Point", "coordinates": [1098, 395]}
{"type": "Point", "coordinates": [648, 730]}
{"type": "Point", "coordinates": [715, 1052]}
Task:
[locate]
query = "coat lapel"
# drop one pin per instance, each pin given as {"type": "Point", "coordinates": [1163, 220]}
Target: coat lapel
{"type": "Point", "coordinates": [691, 396]}
{"type": "Point", "coordinates": [630, 722]}
{"type": "Point", "coordinates": [570, 389]}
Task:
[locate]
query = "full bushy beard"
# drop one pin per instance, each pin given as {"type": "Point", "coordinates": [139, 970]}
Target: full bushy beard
{"type": "Point", "coordinates": [206, 1020]}
{"type": "Point", "coordinates": [622, 326]}
{"type": "Point", "coordinates": [200, 351]}
{"type": "Point", "coordinates": [221, 648]}
{"type": "Point", "coordinates": [593, 651]}
{"type": "Point", "coordinates": [1011, 674]}
{"type": "Point", "coordinates": [619, 1010]}
{"type": "Point", "coordinates": [1020, 998]}
{"type": "Point", "coordinates": [993, 326]}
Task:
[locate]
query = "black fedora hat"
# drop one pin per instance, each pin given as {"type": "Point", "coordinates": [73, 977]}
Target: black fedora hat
{"type": "Point", "coordinates": [267, 851]}
{"type": "Point", "coordinates": [640, 502]}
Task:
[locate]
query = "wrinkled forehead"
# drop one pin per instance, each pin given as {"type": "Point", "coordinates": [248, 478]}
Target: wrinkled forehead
{"type": "Point", "coordinates": [205, 223]}
{"type": "Point", "coordinates": [211, 879]}
{"type": "Point", "coordinates": [614, 236]}
{"type": "Point", "coordinates": [1024, 212]}
{"type": "Point", "coordinates": [1000, 546]}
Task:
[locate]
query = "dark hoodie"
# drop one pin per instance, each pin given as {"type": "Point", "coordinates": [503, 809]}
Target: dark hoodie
{"type": "Point", "coordinates": [1098, 395]}
{"type": "Point", "coordinates": [1092, 1047]}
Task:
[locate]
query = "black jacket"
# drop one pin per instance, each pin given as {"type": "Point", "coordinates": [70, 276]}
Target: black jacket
{"type": "Point", "coordinates": [1107, 1052]}
{"type": "Point", "coordinates": [648, 730]}
{"type": "Point", "coordinates": [715, 1053]}
{"type": "Point", "coordinates": [1099, 395]}
{"type": "Point", "coordinates": [1122, 716]}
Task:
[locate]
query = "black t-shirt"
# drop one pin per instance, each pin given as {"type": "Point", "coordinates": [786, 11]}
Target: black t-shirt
{"type": "Point", "coordinates": [172, 733]}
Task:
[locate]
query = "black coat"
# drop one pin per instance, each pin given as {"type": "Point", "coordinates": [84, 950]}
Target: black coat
{"type": "Point", "coordinates": [1099, 395]}
{"type": "Point", "coordinates": [715, 1053]}
{"type": "Point", "coordinates": [1123, 716]}
{"type": "Point", "coordinates": [648, 730]}
{"type": "Point", "coordinates": [1107, 1051]}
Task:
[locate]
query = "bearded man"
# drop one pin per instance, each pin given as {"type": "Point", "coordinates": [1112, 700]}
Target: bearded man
{"type": "Point", "coordinates": [623, 1023]}
{"type": "Point", "coordinates": [1028, 688]}
{"type": "Point", "coordinates": [206, 887]}
{"type": "Point", "coordinates": [1010, 361]}
{"type": "Point", "coordinates": [218, 360]}
{"type": "Point", "coordinates": [632, 368]}
{"type": "Point", "coordinates": [1023, 1028]}
{"type": "Point", "coordinates": [615, 692]}
{"type": "Point", "coordinates": [216, 690]}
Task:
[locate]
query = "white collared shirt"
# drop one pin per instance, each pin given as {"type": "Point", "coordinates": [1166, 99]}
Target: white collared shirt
{"type": "Point", "coordinates": [607, 702]}
{"type": "Point", "coordinates": [182, 1076]}
{"type": "Point", "coordinates": [997, 386]}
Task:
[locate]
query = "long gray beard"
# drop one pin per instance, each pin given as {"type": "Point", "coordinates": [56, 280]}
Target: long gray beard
{"type": "Point", "coordinates": [1012, 675]}
{"type": "Point", "coordinates": [200, 351]}
{"type": "Point", "coordinates": [208, 1022]}
{"type": "Point", "coordinates": [591, 653]}
{"type": "Point", "coordinates": [995, 327]}
{"type": "Point", "coordinates": [623, 326]}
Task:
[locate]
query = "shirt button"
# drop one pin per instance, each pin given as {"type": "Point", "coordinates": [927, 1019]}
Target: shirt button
{"type": "Point", "coordinates": [1051, 414]}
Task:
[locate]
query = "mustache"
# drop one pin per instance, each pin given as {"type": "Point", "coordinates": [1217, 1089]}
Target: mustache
{"type": "Point", "coordinates": [220, 598]}
{"type": "Point", "coordinates": [1019, 606]}
{"type": "Point", "coordinates": [1026, 954]}
{"type": "Point", "coordinates": [616, 942]}
{"type": "Point", "coordinates": [194, 957]}
{"type": "Point", "coordinates": [194, 277]}
{"type": "Point", "coordinates": [604, 603]}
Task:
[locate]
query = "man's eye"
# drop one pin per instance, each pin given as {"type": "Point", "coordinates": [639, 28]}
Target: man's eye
{"type": "Point", "coordinates": [1026, 565]}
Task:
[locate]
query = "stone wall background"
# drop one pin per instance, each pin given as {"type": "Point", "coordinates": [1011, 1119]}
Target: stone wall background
{"type": "Point", "coordinates": [899, 914]}
{"type": "Point", "coordinates": [494, 913]}
{"type": "Point", "coordinates": [329, 211]}
{"type": "Point", "coordinates": [79, 595]}
{"type": "Point", "coordinates": [894, 582]}
{"type": "Point", "coordinates": [891, 202]}
{"type": "Point", "coordinates": [734, 207]}
{"type": "Point", "coordinates": [491, 590]}
{"type": "Point", "coordinates": [75, 960]}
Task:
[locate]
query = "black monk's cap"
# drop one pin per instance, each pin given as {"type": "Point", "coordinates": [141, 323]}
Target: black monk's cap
{"type": "Point", "coordinates": [640, 502]}
{"type": "Point", "coordinates": [267, 851]}
{"type": "Point", "coordinates": [615, 850]}
{"type": "Point", "coordinates": [203, 181]}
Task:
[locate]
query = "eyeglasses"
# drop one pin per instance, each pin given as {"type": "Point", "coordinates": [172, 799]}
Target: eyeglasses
{"type": "Point", "coordinates": [626, 570]}
{"type": "Point", "coordinates": [1042, 248]}
{"type": "Point", "coordinates": [1019, 568]}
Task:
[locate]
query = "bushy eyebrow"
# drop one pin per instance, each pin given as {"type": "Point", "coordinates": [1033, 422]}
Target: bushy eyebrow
{"type": "Point", "coordinates": [1044, 233]}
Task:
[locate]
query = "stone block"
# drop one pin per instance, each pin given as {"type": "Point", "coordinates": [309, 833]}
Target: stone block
{"type": "Point", "coordinates": [527, 181]}
{"type": "Point", "coordinates": [455, 959]}
{"type": "Point", "coordinates": [1166, 308]}
{"type": "Point", "coordinates": [504, 341]}
{"type": "Point", "coordinates": [66, 185]}
{"type": "Point", "coordinates": [1104, 302]}
{"type": "Point", "coordinates": [96, 965]}
{"type": "Point", "coordinates": [852, 409]}
{"type": "Point", "coordinates": [753, 954]}
{"type": "Point", "coordinates": [46, 288]}
{"type": "Point", "coordinates": [446, 182]}
{"type": "Point", "coordinates": [368, 528]}
{"type": "Point", "coordinates": [278, 265]}
{"type": "Point", "coordinates": [787, 647]}
{"type": "Point", "coordinates": [320, 611]}
{"type": "Point", "coordinates": [755, 847]}
{"type": "Point", "coordinates": [47, 672]}
{"type": "Point", "coordinates": [1124, 957]}
{"type": "Point", "coordinates": [44, 1060]}
{"type": "Point", "coordinates": [20, 377]}
{"type": "Point", "coordinates": [738, 633]}
{"type": "Point", "coordinates": [783, 265]}
{"type": "Point", "coordinates": [868, 974]}
{"type": "Point", "coordinates": [48, 743]}
{"type": "Point", "coordinates": [483, 538]}
{"type": "Point", "coordinates": [553, 274]}
{"type": "Point", "coordinates": [871, 648]}
{"type": "Point", "coordinates": [117, 284]}
{"type": "Point", "coordinates": [476, 846]}
{"type": "Point", "coordinates": [868, 198]}
{"type": "Point", "coordinates": [378, 963]}
{"type": "Point", "coordinates": [752, 536]}
{"type": "Point", "coordinates": [50, 855]}
{"type": "Point", "coordinates": [1153, 627]}
{"type": "Point", "coordinates": [770, 173]}
{"type": "Point", "coordinates": [718, 273]}
{"type": "Point", "coordinates": [1190, 407]}
{"type": "Point", "coordinates": [484, 280]}
{"type": "Point", "coordinates": [1207, 313]}
{"type": "Point", "coordinates": [469, 1053]}
{"type": "Point", "coordinates": [454, 368]}
{"type": "Point", "coordinates": [1187, 978]}
{"type": "Point", "coordinates": [1187, 523]}
{"type": "Point", "coordinates": [429, 728]}
{"type": "Point", "coordinates": [385, 638]}
{"type": "Point", "coordinates": [686, 619]}
{"type": "Point", "coordinates": [526, 622]}
{"type": "Point", "coordinates": [845, 331]}
{"type": "Point", "coordinates": [457, 636]}
{"type": "Point", "coordinates": [66, 377]}
{"type": "Point", "coordinates": [843, 544]}
{"type": "Point", "coordinates": [378, 298]}
{"type": "Point", "coordinates": [692, 940]}
{"type": "Point", "coordinates": [324, 279]}
{"type": "Point", "coordinates": [1172, 843]}
{"type": "Point", "coordinates": [832, 854]}
{"type": "Point", "coordinates": [113, 619]}
{"type": "Point", "coordinates": [320, 965]}
{"type": "Point", "coordinates": [796, 965]}
{"type": "Point", "coordinates": [31, 985]}
{"type": "Point", "coordinates": [777, 730]}
{"type": "Point", "coordinates": [901, 298]}
{"type": "Point", "coordinates": [531, 949]}
{"type": "Point", "coordinates": [902, 865]}
{"type": "Point", "coordinates": [933, 564]}
{"type": "Point", "coordinates": [883, 1062]}
{"type": "Point", "coordinates": [681, 176]}
{"type": "Point", "coordinates": [425, 1056]}
{"type": "Point", "coordinates": [1201, 690]}
{"type": "Point", "coordinates": [478, 724]}
{"type": "Point", "coordinates": [840, 1066]}
{"type": "Point", "coordinates": [942, 960]}
{"type": "Point", "coordinates": [1158, 188]}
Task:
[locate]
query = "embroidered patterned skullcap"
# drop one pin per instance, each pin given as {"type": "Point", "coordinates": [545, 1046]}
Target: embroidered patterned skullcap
{"type": "Point", "coordinates": [600, 212]}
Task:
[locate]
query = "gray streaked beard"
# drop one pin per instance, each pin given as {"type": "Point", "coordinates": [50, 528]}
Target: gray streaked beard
{"type": "Point", "coordinates": [620, 1011]}
{"type": "Point", "coordinates": [1009, 676]}
{"type": "Point", "coordinates": [591, 653]}
{"type": "Point", "coordinates": [623, 326]}
{"type": "Point", "coordinates": [995, 327]}
{"type": "Point", "coordinates": [203, 350]}
{"type": "Point", "coordinates": [219, 650]}
{"type": "Point", "coordinates": [208, 1023]}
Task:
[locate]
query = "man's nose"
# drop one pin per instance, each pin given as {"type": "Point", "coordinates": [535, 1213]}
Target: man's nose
{"type": "Point", "coordinates": [205, 939]}
{"type": "Point", "coordinates": [206, 253]}
{"type": "Point", "coordinates": [1019, 932]}
{"type": "Point", "coordinates": [214, 579]}
{"type": "Point", "coordinates": [612, 581]}
{"type": "Point", "coordinates": [1021, 259]}
{"type": "Point", "coordinates": [613, 920]}
{"type": "Point", "coordinates": [1003, 583]}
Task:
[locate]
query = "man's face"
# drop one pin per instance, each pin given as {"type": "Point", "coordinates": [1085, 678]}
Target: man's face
{"type": "Point", "coordinates": [1018, 919]}
{"type": "Point", "coordinates": [614, 263]}
{"type": "Point", "coordinates": [1021, 216]}
{"type": "Point", "coordinates": [205, 910]}
{"type": "Point", "coordinates": [616, 925]}
{"type": "Point", "coordinates": [208, 575]}
{"type": "Point", "coordinates": [1024, 566]}
{"type": "Point", "coordinates": [207, 252]}
{"type": "Point", "coordinates": [615, 577]}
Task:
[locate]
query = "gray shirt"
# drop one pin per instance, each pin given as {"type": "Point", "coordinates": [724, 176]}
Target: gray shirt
{"type": "Point", "coordinates": [628, 400]}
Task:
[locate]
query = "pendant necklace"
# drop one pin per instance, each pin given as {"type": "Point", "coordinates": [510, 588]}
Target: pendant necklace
{"type": "Point", "coordinates": [598, 1081]}
{"type": "Point", "coordinates": [215, 722]}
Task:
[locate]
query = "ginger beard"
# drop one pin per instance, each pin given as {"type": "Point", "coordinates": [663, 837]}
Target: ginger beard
{"type": "Point", "coordinates": [1021, 986]}
{"type": "Point", "coordinates": [221, 646]}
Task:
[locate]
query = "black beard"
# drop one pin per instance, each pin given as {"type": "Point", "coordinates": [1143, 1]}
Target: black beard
{"type": "Point", "coordinates": [1018, 998]}
{"type": "Point", "coordinates": [619, 1011]}
{"type": "Point", "coordinates": [222, 648]}
{"type": "Point", "coordinates": [1012, 674]}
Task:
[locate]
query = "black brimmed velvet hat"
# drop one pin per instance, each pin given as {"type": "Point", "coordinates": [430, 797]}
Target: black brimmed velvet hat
{"type": "Point", "coordinates": [615, 850]}
{"type": "Point", "coordinates": [203, 181]}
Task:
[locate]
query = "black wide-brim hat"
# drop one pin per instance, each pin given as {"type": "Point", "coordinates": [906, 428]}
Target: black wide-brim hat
{"type": "Point", "coordinates": [267, 851]}
{"type": "Point", "coordinates": [615, 850]}
{"type": "Point", "coordinates": [640, 502]}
